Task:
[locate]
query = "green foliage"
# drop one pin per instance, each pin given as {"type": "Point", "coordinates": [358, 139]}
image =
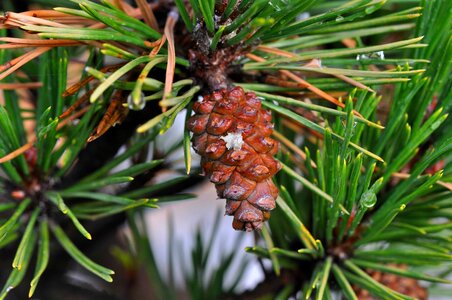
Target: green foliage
{"type": "Point", "coordinates": [57, 146]}
{"type": "Point", "coordinates": [387, 216]}
{"type": "Point", "coordinates": [365, 179]}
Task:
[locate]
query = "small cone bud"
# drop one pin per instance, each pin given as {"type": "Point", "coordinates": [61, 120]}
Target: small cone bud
{"type": "Point", "coordinates": [232, 132]}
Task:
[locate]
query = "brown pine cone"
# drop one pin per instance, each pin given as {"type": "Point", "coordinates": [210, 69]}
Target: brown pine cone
{"type": "Point", "coordinates": [232, 132]}
{"type": "Point", "coordinates": [403, 285]}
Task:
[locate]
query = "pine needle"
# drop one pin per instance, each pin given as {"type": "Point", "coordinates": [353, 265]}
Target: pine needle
{"type": "Point", "coordinates": [17, 86]}
{"type": "Point", "coordinates": [148, 14]}
{"type": "Point", "coordinates": [289, 144]}
{"type": "Point", "coordinates": [115, 114]}
{"type": "Point", "coordinates": [171, 65]}
{"type": "Point", "coordinates": [309, 86]}
{"type": "Point", "coordinates": [30, 144]}
{"type": "Point", "coordinates": [20, 19]}
{"type": "Point", "coordinates": [447, 185]}
{"type": "Point", "coordinates": [20, 42]}
{"type": "Point", "coordinates": [18, 62]}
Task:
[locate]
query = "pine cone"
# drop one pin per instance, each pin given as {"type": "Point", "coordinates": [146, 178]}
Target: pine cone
{"type": "Point", "coordinates": [232, 132]}
{"type": "Point", "coordinates": [403, 285]}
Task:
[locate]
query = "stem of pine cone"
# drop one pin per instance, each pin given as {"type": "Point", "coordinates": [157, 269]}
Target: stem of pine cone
{"type": "Point", "coordinates": [210, 70]}
{"type": "Point", "coordinates": [212, 67]}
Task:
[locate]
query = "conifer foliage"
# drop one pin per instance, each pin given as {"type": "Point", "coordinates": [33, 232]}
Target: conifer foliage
{"type": "Point", "coordinates": [333, 115]}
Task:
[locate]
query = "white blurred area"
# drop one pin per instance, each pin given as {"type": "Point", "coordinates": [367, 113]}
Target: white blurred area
{"type": "Point", "coordinates": [189, 215]}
